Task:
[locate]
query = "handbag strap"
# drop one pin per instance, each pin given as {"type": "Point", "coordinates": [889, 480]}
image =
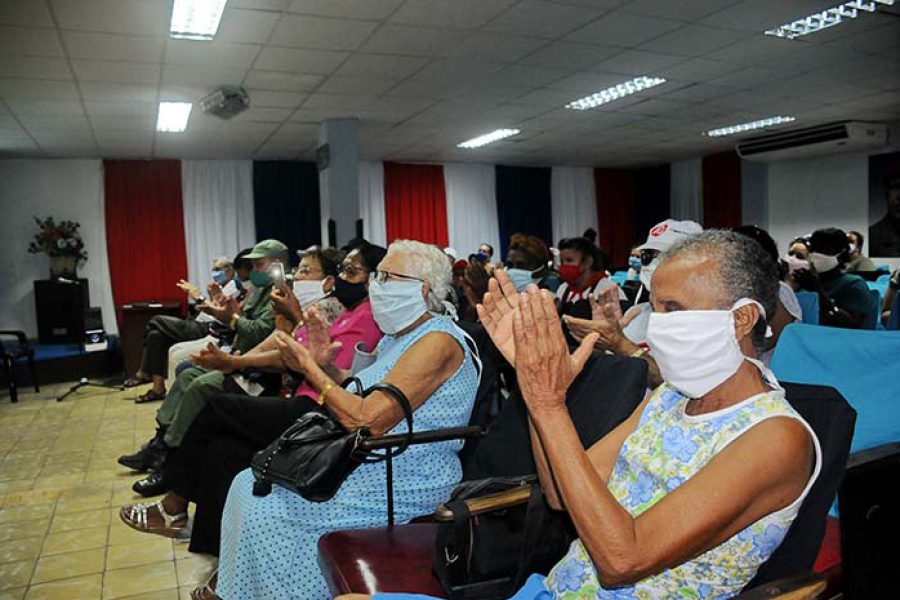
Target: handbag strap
{"type": "Point", "coordinates": [534, 520]}
{"type": "Point", "coordinates": [354, 380]}
{"type": "Point", "coordinates": [401, 399]}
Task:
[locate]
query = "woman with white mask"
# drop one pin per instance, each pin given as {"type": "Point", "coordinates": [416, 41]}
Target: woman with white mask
{"type": "Point", "coordinates": [647, 499]}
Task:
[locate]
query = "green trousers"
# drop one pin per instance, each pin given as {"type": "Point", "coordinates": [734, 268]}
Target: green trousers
{"type": "Point", "coordinates": [193, 388]}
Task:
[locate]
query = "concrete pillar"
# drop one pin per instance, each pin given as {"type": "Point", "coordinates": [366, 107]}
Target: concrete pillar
{"type": "Point", "coordinates": [339, 180]}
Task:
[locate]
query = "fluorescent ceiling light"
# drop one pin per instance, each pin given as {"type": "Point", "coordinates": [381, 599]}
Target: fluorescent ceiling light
{"type": "Point", "coordinates": [827, 18]}
{"type": "Point", "coordinates": [173, 116]}
{"type": "Point", "coordinates": [196, 19]}
{"type": "Point", "coordinates": [615, 92]}
{"type": "Point", "coordinates": [488, 138]}
{"type": "Point", "coordinates": [732, 129]}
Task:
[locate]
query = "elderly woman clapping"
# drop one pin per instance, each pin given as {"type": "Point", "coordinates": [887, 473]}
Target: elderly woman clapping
{"type": "Point", "coordinates": [269, 543]}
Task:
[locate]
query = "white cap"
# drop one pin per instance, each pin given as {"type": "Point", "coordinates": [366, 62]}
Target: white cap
{"type": "Point", "coordinates": [664, 235]}
{"type": "Point", "coordinates": [451, 252]}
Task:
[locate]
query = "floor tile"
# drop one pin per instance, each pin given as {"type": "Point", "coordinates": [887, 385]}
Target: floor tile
{"type": "Point", "coordinates": [15, 594]}
{"type": "Point", "coordinates": [80, 588]}
{"type": "Point", "coordinates": [122, 583]}
{"type": "Point", "coordinates": [21, 549]}
{"type": "Point", "coordinates": [71, 564]}
{"type": "Point", "coordinates": [22, 513]}
{"type": "Point", "coordinates": [149, 550]}
{"type": "Point", "coordinates": [79, 520]}
{"type": "Point", "coordinates": [16, 574]}
{"type": "Point", "coordinates": [73, 541]}
{"type": "Point", "coordinates": [24, 529]}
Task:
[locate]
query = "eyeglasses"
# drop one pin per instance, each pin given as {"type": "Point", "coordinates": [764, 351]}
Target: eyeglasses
{"type": "Point", "coordinates": [351, 270]}
{"type": "Point", "coordinates": [382, 276]}
{"type": "Point", "coordinates": [647, 256]}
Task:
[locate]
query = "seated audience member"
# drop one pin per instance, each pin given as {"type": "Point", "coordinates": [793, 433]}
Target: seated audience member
{"type": "Point", "coordinates": [251, 323]}
{"type": "Point", "coordinates": [843, 298]}
{"type": "Point", "coordinates": [163, 331]}
{"type": "Point", "coordinates": [799, 248]}
{"type": "Point", "coordinates": [858, 261]}
{"type": "Point", "coordinates": [884, 236]}
{"type": "Point", "coordinates": [689, 496]}
{"type": "Point", "coordinates": [269, 543]}
{"type": "Point", "coordinates": [634, 265]}
{"type": "Point", "coordinates": [231, 428]}
{"type": "Point", "coordinates": [889, 296]}
{"type": "Point", "coordinates": [485, 252]}
{"type": "Point", "coordinates": [582, 269]}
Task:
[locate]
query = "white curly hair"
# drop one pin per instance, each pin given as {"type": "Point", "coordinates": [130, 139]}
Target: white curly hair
{"type": "Point", "coordinates": [429, 263]}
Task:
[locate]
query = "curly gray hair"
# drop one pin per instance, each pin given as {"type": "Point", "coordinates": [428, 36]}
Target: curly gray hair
{"type": "Point", "coordinates": [745, 271]}
{"type": "Point", "coordinates": [429, 263]}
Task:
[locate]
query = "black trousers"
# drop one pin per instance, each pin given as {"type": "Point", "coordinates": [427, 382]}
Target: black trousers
{"type": "Point", "coordinates": [163, 332]}
{"type": "Point", "coordinates": [218, 445]}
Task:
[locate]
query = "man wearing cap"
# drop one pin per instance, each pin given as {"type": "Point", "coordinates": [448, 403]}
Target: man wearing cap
{"type": "Point", "coordinates": [250, 323]}
{"type": "Point", "coordinates": [627, 335]}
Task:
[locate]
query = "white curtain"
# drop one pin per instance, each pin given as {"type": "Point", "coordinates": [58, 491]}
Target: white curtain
{"type": "Point", "coordinates": [217, 196]}
{"type": "Point", "coordinates": [371, 202]}
{"type": "Point", "coordinates": [471, 207]}
{"type": "Point", "coordinates": [573, 201]}
{"type": "Point", "coordinates": [686, 191]}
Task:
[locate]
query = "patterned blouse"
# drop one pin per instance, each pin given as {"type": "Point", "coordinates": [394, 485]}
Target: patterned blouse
{"type": "Point", "coordinates": [666, 449]}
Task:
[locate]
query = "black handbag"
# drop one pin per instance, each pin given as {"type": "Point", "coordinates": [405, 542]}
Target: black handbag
{"type": "Point", "coordinates": [489, 556]}
{"type": "Point", "coordinates": [316, 454]}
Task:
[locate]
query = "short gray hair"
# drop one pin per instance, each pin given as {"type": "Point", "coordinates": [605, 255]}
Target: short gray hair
{"type": "Point", "coordinates": [224, 261]}
{"type": "Point", "coordinates": [429, 263]}
{"type": "Point", "coordinates": [745, 270]}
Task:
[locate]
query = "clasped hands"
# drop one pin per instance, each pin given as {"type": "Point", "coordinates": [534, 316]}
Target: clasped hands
{"type": "Point", "coordinates": [526, 329]}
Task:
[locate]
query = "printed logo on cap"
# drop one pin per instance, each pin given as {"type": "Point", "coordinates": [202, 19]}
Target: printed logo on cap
{"type": "Point", "coordinates": [659, 230]}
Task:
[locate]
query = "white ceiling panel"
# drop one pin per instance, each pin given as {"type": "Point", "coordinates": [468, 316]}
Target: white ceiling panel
{"type": "Point", "coordinates": [105, 46]}
{"type": "Point", "coordinates": [118, 92]}
{"type": "Point", "coordinates": [138, 126]}
{"type": "Point", "coordinates": [141, 17]}
{"type": "Point", "coordinates": [37, 88]}
{"type": "Point", "coordinates": [28, 13]}
{"type": "Point", "coordinates": [379, 65]}
{"type": "Point", "coordinates": [458, 72]}
{"type": "Point", "coordinates": [350, 102]}
{"type": "Point", "coordinates": [528, 76]}
{"type": "Point", "coordinates": [211, 54]}
{"type": "Point", "coordinates": [316, 32]}
{"type": "Point", "coordinates": [195, 75]}
{"type": "Point", "coordinates": [571, 56]}
{"type": "Point", "coordinates": [35, 67]}
{"type": "Point", "coordinates": [694, 40]}
{"type": "Point", "coordinates": [300, 60]}
{"type": "Point", "coordinates": [350, 9]}
{"type": "Point", "coordinates": [282, 82]}
{"type": "Point", "coordinates": [263, 114]}
{"type": "Point", "coordinates": [543, 19]}
{"type": "Point", "coordinates": [462, 14]}
{"type": "Point", "coordinates": [116, 72]}
{"type": "Point", "coordinates": [413, 41]}
{"type": "Point", "coordinates": [760, 15]}
{"type": "Point", "coordinates": [623, 29]}
{"type": "Point", "coordinates": [683, 10]}
{"type": "Point", "coordinates": [99, 109]}
{"type": "Point", "coordinates": [269, 98]}
{"type": "Point", "coordinates": [29, 107]}
{"type": "Point", "coordinates": [29, 41]}
{"type": "Point", "coordinates": [638, 62]}
{"type": "Point", "coordinates": [368, 86]}
{"type": "Point", "coordinates": [247, 26]}
{"type": "Point", "coordinates": [496, 47]}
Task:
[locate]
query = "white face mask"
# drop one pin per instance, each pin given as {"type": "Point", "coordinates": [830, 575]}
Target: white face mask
{"type": "Point", "coordinates": [647, 272]}
{"type": "Point", "coordinates": [396, 304]}
{"type": "Point", "coordinates": [696, 350]}
{"type": "Point", "coordinates": [822, 262]}
{"type": "Point", "coordinates": [308, 292]}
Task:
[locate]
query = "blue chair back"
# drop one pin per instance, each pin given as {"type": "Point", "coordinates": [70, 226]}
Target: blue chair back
{"type": "Point", "coordinates": [809, 304]}
{"type": "Point", "coordinates": [885, 268]}
{"type": "Point", "coordinates": [872, 319]}
{"type": "Point", "coordinates": [861, 365]}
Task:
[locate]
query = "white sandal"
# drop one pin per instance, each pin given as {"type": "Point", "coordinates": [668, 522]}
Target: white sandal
{"type": "Point", "coordinates": [135, 516]}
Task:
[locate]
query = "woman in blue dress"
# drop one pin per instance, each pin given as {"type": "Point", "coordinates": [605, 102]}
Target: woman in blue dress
{"type": "Point", "coordinates": [269, 543]}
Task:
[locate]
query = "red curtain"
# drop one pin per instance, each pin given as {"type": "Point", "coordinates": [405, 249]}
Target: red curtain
{"type": "Point", "coordinates": [415, 203]}
{"type": "Point", "coordinates": [616, 191]}
{"type": "Point", "coordinates": [722, 190]}
{"type": "Point", "coordinates": [144, 230]}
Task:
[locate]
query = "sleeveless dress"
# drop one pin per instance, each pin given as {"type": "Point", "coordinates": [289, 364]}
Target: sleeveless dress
{"type": "Point", "coordinates": [666, 449]}
{"type": "Point", "coordinates": [269, 543]}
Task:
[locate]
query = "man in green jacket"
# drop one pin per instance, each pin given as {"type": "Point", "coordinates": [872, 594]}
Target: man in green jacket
{"type": "Point", "coordinates": [251, 323]}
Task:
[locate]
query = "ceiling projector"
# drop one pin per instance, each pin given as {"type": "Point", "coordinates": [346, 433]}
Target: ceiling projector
{"type": "Point", "coordinates": [226, 102]}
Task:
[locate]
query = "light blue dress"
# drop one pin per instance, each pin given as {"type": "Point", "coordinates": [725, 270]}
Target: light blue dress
{"type": "Point", "coordinates": [269, 543]}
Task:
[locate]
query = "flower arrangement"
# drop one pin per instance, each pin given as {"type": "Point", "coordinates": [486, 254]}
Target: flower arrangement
{"type": "Point", "coordinates": [62, 242]}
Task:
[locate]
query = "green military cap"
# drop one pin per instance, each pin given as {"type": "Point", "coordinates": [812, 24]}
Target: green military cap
{"type": "Point", "coordinates": [268, 249]}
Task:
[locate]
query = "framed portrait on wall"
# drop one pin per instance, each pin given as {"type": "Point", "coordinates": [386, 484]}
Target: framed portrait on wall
{"type": "Point", "coordinates": [884, 205]}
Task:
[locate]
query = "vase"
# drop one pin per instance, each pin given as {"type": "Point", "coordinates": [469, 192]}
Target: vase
{"type": "Point", "coordinates": [63, 266]}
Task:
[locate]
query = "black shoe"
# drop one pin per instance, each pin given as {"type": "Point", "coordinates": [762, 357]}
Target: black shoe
{"type": "Point", "coordinates": [154, 484]}
{"type": "Point", "coordinates": [150, 454]}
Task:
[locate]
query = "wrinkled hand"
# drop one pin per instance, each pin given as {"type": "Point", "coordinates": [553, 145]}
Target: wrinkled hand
{"type": "Point", "coordinates": [283, 324]}
{"type": "Point", "coordinates": [294, 355]}
{"type": "Point", "coordinates": [212, 358]}
{"type": "Point", "coordinates": [223, 312]}
{"type": "Point", "coordinates": [607, 321]}
{"type": "Point", "coordinates": [214, 291]}
{"type": "Point", "coordinates": [286, 304]}
{"type": "Point", "coordinates": [322, 349]}
{"type": "Point", "coordinates": [189, 288]}
{"type": "Point", "coordinates": [544, 367]}
{"type": "Point", "coordinates": [496, 313]}
{"type": "Point", "coordinates": [475, 282]}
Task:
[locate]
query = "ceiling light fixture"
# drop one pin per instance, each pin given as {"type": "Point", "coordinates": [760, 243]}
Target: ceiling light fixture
{"type": "Point", "coordinates": [488, 138]}
{"type": "Point", "coordinates": [827, 18]}
{"type": "Point", "coordinates": [615, 92]}
{"type": "Point", "coordinates": [173, 116]}
{"type": "Point", "coordinates": [732, 129]}
{"type": "Point", "coordinates": [196, 19]}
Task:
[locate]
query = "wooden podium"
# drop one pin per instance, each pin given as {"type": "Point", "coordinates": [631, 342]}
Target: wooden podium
{"type": "Point", "coordinates": [134, 321]}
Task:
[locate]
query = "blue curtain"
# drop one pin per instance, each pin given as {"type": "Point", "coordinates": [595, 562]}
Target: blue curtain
{"type": "Point", "coordinates": [523, 203]}
{"type": "Point", "coordinates": [652, 199]}
{"type": "Point", "coordinates": [286, 203]}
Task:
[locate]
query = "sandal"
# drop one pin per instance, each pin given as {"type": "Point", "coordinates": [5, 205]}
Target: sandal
{"type": "Point", "coordinates": [207, 590]}
{"type": "Point", "coordinates": [150, 396]}
{"type": "Point", "coordinates": [134, 382]}
{"type": "Point", "coordinates": [135, 516]}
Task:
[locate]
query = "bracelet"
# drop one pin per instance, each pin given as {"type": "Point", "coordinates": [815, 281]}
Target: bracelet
{"type": "Point", "coordinates": [232, 323]}
{"type": "Point", "coordinates": [324, 393]}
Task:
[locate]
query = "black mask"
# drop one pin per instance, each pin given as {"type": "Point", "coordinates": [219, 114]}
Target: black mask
{"type": "Point", "coordinates": [349, 294]}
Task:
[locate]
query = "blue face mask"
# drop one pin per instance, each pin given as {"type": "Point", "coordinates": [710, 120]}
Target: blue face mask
{"type": "Point", "coordinates": [220, 276]}
{"type": "Point", "coordinates": [481, 257]}
{"type": "Point", "coordinates": [396, 304]}
{"type": "Point", "coordinates": [520, 278]}
{"type": "Point", "coordinates": [635, 263]}
{"type": "Point", "coordinates": [260, 278]}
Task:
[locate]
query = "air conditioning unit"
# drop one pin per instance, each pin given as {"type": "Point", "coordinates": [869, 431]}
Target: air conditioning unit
{"type": "Point", "coordinates": [226, 102]}
{"type": "Point", "coordinates": [829, 138]}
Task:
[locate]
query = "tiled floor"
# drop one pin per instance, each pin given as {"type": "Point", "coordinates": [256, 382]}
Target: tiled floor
{"type": "Point", "coordinates": [60, 489]}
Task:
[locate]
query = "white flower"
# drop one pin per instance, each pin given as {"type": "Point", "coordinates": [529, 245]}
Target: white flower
{"type": "Point", "coordinates": [73, 242]}
{"type": "Point", "coordinates": [60, 243]}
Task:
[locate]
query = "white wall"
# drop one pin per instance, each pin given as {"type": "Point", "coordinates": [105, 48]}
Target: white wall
{"type": "Point", "coordinates": [64, 189]}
